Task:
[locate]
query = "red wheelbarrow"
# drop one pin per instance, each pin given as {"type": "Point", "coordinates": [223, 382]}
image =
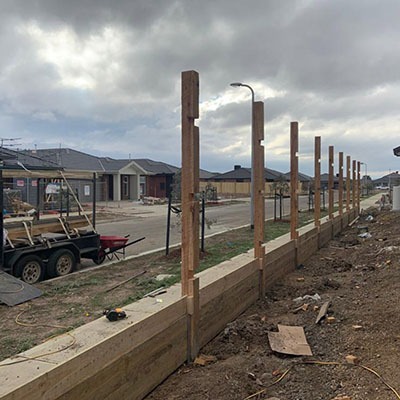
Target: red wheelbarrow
{"type": "Point", "coordinates": [113, 246]}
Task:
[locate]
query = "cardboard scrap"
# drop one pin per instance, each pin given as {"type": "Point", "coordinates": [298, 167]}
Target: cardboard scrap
{"type": "Point", "coordinates": [204, 359]}
{"type": "Point", "coordinates": [289, 340]}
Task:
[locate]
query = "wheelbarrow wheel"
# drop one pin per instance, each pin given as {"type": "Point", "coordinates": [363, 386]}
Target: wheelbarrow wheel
{"type": "Point", "coordinates": [100, 258]}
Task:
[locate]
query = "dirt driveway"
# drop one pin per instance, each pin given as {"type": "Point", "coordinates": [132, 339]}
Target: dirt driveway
{"type": "Point", "coordinates": [360, 277]}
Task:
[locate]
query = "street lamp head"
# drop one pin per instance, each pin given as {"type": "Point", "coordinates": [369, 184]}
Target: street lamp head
{"type": "Point", "coordinates": [236, 84]}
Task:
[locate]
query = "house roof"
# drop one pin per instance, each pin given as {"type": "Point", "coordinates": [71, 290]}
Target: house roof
{"type": "Point", "coordinates": [156, 167]}
{"type": "Point", "coordinates": [69, 159]}
{"type": "Point", "coordinates": [302, 177]}
{"type": "Point", "coordinates": [113, 165]}
{"type": "Point", "coordinates": [76, 160]}
{"type": "Point", "coordinates": [22, 160]}
{"type": "Point", "coordinates": [325, 178]}
{"type": "Point", "coordinates": [245, 173]}
{"type": "Point", "coordinates": [386, 178]}
{"type": "Point", "coordinates": [237, 173]}
{"type": "Point", "coordinates": [207, 174]}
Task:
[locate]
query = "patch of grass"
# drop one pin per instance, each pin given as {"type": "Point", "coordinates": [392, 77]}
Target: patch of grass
{"type": "Point", "coordinates": [224, 251]}
{"type": "Point", "coordinates": [71, 287]}
{"type": "Point", "coordinates": [71, 309]}
{"type": "Point", "coordinates": [10, 346]}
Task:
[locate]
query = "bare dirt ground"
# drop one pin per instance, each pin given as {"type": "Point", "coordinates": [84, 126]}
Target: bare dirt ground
{"type": "Point", "coordinates": [361, 279]}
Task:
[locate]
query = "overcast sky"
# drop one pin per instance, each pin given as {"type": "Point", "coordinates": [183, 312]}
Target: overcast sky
{"type": "Point", "coordinates": [103, 77]}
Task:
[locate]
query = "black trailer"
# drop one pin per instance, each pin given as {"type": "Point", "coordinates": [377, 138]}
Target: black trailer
{"type": "Point", "coordinates": [35, 249]}
{"type": "Point", "coordinates": [49, 256]}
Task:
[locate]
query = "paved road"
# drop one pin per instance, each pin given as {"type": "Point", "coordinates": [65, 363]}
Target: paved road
{"type": "Point", "coordinates": [152, 223]}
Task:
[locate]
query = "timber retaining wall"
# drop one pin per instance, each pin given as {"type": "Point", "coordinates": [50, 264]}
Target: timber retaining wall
{"type": "Point", "coordinates": [130, 358]}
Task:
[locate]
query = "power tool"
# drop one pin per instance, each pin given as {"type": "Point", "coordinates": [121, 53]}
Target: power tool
{"type": "Point", "coordinates": [114, 314]}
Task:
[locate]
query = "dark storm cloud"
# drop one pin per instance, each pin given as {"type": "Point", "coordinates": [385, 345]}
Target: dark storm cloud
{"type": "Point", "coordinates": [333, 66]}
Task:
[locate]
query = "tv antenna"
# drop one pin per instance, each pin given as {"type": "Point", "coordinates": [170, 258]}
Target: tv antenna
{"type": "Point", "coordinates": [9, 142]}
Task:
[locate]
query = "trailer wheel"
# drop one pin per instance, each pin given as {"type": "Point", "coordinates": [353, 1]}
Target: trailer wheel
{"type": "Point", "coordinates": [30, 269]}
{"type": "Point", "coordinates": [61, 263]}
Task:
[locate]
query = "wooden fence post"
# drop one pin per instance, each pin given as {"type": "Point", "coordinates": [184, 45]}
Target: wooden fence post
{"type": "Point", "coordinates": [358, 186]}
{"type": "Point", "coordinates": [190, 205]}
{"type": "Point", "coordinates": [340, 183]}
{"type": "Point", "coordinates": [294, 177]}
{"type": "Point", "coordinates": [348, 181]}
{"type": "Point", "coordinates": [259, 185]}
{"type": "Point", "coordinates": [317, 182]}
{"type": "Point", "coordinates": [354, 186]}
{"type": "Point", "coordinates": [331, 193]}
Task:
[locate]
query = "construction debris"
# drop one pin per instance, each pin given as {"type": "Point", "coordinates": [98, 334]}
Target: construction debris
{"type": "Point", "coordinates": [289, 340]}
{"type": "Point", "coordinates": [315, 297]}
{"type": "Point", "coordinates": [303, 307]}
{"type": "Point", "coordinates": [350, 359]}
{"type": "Point", "coordinates": [155, 292]}
{"type": "Point", "coordinates": [126, 280]}
{"type": "Point", "coordinates": [357, 327]}
{"type": "Point", "coordinates": [365, 235]}
{"type": "Point", "coordinates": [322, 312]}
{"type": "Point", "coordinates": [204, 359]}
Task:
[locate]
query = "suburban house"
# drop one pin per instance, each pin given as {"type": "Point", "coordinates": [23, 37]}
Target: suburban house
{"type": "Point", "coordinates": [237, 182]}
{"type": "Point", "coordinates": [387, 181]}
{"type": "Point", "coordinates": [301, 177]}
{"type": "Point", "coordinates": [241, 174]}
{"type": "Point", "coordinates": [116, 179]}
{"type": "Point", "coordinates": [325, 181]}
{"type": "Point", "coordinates": [158, 178]}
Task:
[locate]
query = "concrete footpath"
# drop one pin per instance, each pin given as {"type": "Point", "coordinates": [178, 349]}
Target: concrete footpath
{"type": "Point", "coordinates": [372, 201]}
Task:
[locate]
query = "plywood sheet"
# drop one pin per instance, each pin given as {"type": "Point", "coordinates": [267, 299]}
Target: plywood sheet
{"type": "Point", "coordinates": [13, 291]}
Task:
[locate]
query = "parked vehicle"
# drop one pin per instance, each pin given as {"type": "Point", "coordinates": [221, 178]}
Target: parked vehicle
{"type": "Point", "coordinates": [34, 252]}
{"type": "Point", "coordinates": [35, 249]}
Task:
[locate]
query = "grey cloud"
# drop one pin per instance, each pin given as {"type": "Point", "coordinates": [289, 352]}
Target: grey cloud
{"type": "Point", "coordinates": [328, 56]}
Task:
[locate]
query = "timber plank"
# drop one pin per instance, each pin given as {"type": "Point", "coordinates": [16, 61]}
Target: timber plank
{"type": "Point", "coordinates": [227, 282]}
{"type": "Point", "coordinates": [140, 370]}
{"type": "Point", "coordinates": [98, 344]}
{"type": "Point", "coordinates": [337, 225]}
{"type": "Point", "coordinates": [325, 233]}
{"type": "Point", "coordinates": [225, 307]}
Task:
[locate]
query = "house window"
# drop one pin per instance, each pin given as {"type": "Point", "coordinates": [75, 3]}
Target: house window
{"type": "Point", "coordinates": [162, 185]}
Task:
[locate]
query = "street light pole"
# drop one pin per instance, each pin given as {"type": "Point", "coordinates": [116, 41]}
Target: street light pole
{"type": "Point", "coordinates": [239, 84]}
